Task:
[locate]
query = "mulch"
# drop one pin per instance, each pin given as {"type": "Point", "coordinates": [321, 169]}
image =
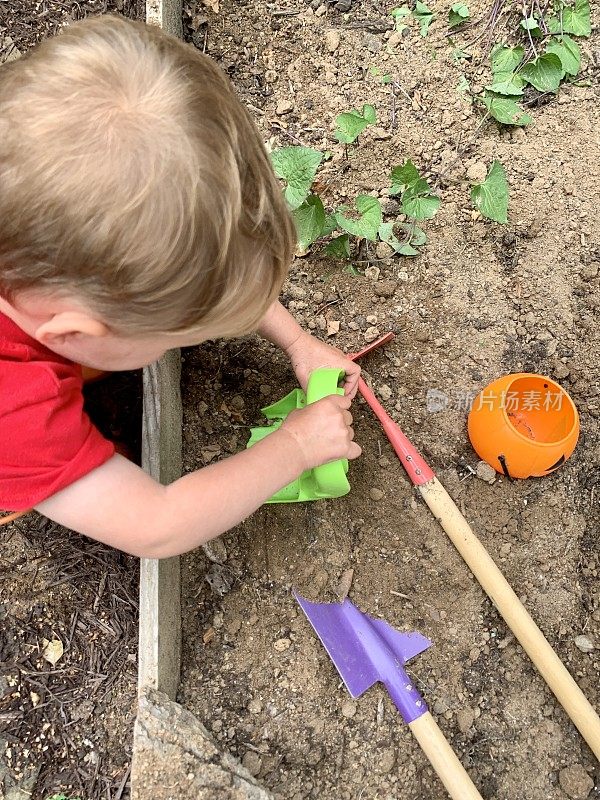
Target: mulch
{"type": "Point", "coordinates": [55, 720]}
{"type": "Point", "coordinates": [26, 22]}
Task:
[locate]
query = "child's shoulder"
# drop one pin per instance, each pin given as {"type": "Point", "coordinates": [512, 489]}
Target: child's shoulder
{"type": "Point", "coordinates": [30, 366]}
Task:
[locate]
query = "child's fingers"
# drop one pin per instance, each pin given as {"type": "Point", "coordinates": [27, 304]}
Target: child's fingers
{"type": "Point", "coordinates": [354, 450]}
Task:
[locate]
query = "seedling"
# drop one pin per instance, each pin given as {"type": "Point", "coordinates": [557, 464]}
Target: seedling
{"type": "Point", "coordinates": [491, 196]}
{"type": "Point", "coordinates": [418, 202]}
{"type": "Point", "coordinates": [297, 166]}
{"type": "Point", "coordinates": [458, 15]}
{"type": "Point", "coordinates": [421, 13]}
{"type": "Point", "coordinates": [351, 124]}
{"type": "Point", "coordinates": [547, 57]}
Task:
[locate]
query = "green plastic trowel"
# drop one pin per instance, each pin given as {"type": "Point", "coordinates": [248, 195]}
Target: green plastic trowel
{"type": "Point", "coordinates": [319, 483]}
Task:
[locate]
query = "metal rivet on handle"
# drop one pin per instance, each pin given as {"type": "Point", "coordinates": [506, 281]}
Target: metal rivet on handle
{"type": "Point", "coordinates": [409, 458]}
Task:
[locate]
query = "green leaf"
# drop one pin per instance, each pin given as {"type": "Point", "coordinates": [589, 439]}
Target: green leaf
{"type": "Point", "coordinates": [506, 59]}
{"type": "Point", "coordinates": [400, 14]}
{"type": "Point", "coordinates": [369, 114]}
{"type": "Point", "coordinates": [544, 73]}
{"type": "Point", "coordinates": [505, 110]}
{"type": "Point", "coordinates": [458, 14]}
{"type": "Point", "coordinates": [532, 25]}
{"type": "Point", "coordinates": [491, 196]}
{"type": "Point", "coordinates": [568, 51]}
{"type": "Point", "coordinates": [309, 219]}
{"type": "Point", "coordinates": [507, 83]}
{"type": "Point", "coordinates": [575, 20]}
{"type": "Point", "coordinates": [330, 224]}
{"type": "Point", "coordinates": [407, 249]}
{"type": "Point", "coordinates": [367, 225]}
{"type": "Point", "coordinates": [419, 202]}
{"type": "Point", "coordinates": [351, 124]}
{"type": "Point", "coordinates": [298, 167]}
{"type": "Point", "coordinates": [339, 247]}
{"type": "Point", "coordinates": [386, 231]}
{"type": "Point", "coordinates": [403, 176]}
{"type": "Point", "coordinates": [424, 16]}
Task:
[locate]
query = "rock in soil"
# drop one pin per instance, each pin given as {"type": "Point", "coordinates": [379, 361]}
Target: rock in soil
{"type": "Point", "coordinates": [176, 758]}
{"type": "Point", "coordinates": [575, 782]}
{"type": "Point", "coordinates": [485, 472]}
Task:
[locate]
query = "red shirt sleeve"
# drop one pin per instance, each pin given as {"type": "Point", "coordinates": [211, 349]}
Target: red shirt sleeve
{"type": "Point", "coordinates": [47, 441]}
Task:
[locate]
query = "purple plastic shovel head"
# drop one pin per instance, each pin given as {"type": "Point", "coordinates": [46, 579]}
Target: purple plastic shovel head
{"type": "Point", "coordinates": [366, 650]}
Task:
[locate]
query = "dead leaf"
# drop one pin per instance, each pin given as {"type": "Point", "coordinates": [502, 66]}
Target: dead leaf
{"type": "Point", "coordinates": [209, 453]}
{"type": "Point", "coordinates": [209, 636]}
{"type": "Point", "coordinates": [345, 582]}
{"type": "Point", "coordinates": [52, 651]}
{"type": "Point", "coordinates": [212, 4]}
{"type": "Point", "coordinates": [333, 327]}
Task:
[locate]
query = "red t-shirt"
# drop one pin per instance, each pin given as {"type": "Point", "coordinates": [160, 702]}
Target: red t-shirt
{"type": "Point", "coordinates": [47, 441]}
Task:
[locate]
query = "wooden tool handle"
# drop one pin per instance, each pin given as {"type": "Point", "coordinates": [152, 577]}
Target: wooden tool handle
{"type": "Point", "coordinates": [443, 758]}
{"type": "Point", "coordinates": [514, 613]}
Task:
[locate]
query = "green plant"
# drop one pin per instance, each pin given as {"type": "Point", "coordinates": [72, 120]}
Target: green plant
{"type": "Point", "coordinates": [421, 13]}
{"type": "Point", "coordinates": [351, 124]}
{"type": "Point", "coordinates": [362, 222]}
{"type": "Point", "coordinates": [544, 56]}
{"type": "Point", "coordinates": [297, 166]}
{"type": "Point", "coordinates": [491, 196]}
{"type": "Point", "coordinates": [418, 203]}
{"type": "Point", "coordinates": [458, 14]}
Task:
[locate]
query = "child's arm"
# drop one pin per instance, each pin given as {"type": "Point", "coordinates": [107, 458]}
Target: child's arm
{"type": "Point", "coordinates": [119, 504]}
{"type": "Point", "coordinates": [305, 351]}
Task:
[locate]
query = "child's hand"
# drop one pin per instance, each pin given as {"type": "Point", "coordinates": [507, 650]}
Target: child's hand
{"type": "Point", "coordinates": [323, 431]}
{"type": "Point", "coordinates": [308, 354]}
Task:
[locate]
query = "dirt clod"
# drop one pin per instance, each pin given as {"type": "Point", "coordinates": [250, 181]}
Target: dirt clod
{"type": "Point", "coordinates": [575, 782]}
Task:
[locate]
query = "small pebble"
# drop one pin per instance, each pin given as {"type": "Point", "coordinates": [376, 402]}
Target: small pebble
{"type": "Point", "coordinates": [384, 392]}
{"type": "Point", "coordinates": [332, 41]}
{"type": "Point", "coordinates": [477, 172]}
{"type": "Point", "coordinates": [284, 107]}
{"type": "Point", "coordinates": [464, 719]}
{"type": "Point", "coordinates": [371, 334]}
{"type": "Point", "coordinates": [386, 761]}
{"type": "Point", "coordinates": [584, 643]}
{"type": "Point", "coordinates": [252, 762]}
{"type": "Point", "coordinates": [485, 472]}
{"type": "Point", "coordinates": [255, 706]}
{"type": "Point", "coordinates": [348, 709]}
{"type": "Point", "coordinates": [281, 644]}
{"type": "Point", "coordinates": [376, 494]}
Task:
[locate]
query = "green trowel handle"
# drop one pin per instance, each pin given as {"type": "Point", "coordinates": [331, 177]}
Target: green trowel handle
{"type": "Point", "coordinates": [330, 478]}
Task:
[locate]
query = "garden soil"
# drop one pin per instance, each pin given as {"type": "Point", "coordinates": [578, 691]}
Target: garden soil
{"type": "Point", "coordinates": [480, 301]}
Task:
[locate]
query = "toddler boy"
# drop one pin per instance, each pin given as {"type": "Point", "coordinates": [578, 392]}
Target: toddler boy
{"type": "Point", "coordinates": [138, 212]}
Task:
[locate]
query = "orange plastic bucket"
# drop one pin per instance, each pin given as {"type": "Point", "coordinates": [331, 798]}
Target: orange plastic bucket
{"type": "Point", "coordinates": [524, 425]}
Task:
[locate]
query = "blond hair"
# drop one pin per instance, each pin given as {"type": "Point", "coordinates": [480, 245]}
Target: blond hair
{"type": "Point", "coordinates": [131, 175]}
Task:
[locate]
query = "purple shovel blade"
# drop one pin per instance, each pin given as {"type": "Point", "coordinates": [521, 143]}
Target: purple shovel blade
{"type": "Point", "coordinates": [366, 650]}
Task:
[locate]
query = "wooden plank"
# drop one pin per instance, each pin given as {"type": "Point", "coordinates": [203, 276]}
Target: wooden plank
{"type": "Point", "coordinates": [166, 14]}
{"type": "Point", "coordinates": [159, 661]}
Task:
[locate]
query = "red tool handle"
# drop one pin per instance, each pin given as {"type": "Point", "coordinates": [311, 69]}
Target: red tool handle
{"type": "Point", "coordinates": [412, 461]}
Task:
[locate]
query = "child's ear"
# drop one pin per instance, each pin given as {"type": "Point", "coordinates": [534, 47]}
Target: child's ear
{"type": "Point", "coordinates": [69, 323]}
